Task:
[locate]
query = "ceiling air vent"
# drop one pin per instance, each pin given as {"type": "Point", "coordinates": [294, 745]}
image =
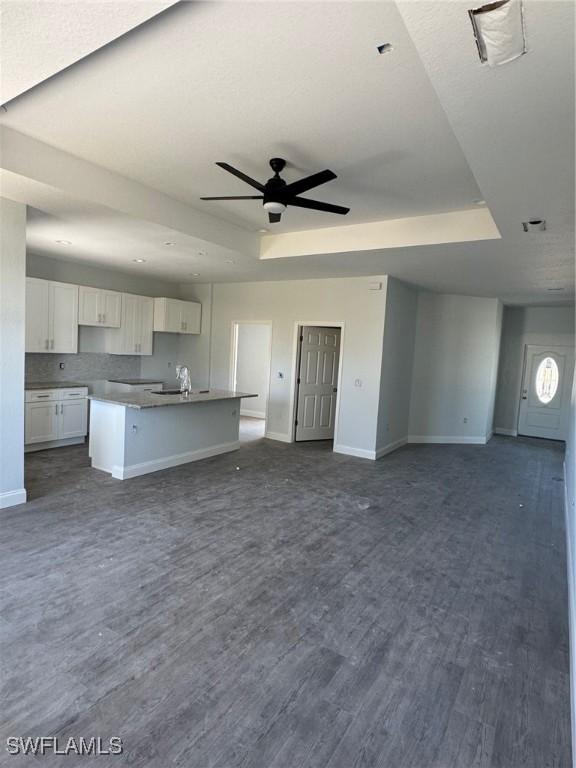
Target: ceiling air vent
{"type": "Point", "coordinates": [499, 31]}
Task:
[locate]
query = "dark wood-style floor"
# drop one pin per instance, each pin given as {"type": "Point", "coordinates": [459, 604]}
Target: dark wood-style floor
{"type": "Point", "coordinates": [284, 606]}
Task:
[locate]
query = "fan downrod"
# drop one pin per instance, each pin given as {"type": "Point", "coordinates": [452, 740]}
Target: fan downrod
{"type": "Point", "coordinates": [277, 164]}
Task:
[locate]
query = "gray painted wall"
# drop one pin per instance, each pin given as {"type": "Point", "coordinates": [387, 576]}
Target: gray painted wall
{"type": "Point", "coordinates": [570, 508]}
{"type": "Point", "coordinates": [455, 367]}
{"type": "Point", "coordinates": [287, 303]}
{"type": "Point", "coordinates": [12, 341]}
{"type": "Point", "coordinates": [521, 326]}
{"type": "Point", "coordinates": [397, 364]}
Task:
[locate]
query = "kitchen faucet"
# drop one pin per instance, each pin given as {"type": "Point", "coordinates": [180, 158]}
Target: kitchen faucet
{"type": "Point", "coordinates": [183, 376]}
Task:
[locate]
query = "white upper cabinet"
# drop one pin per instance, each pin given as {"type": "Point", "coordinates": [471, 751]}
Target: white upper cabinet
{"type": "Point", "coordinates": [98, 307]}
{"type": "Point", "coordinates": [175, 316]}
{"type": "Point", "coordinates": [51, 316]}
{"type": "Point", "coordinates": [134, 336]}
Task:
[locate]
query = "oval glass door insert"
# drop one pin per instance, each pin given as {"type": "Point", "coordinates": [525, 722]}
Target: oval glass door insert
{"type": "Point", "coordinates": [547, 380]}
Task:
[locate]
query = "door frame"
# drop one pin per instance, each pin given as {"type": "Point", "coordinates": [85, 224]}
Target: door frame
{"type": "Point", "coordinates": [523, 377]}
{"type": "Point", "coordinates": [234, 356]}
{"type": "Point", "coordinates": [296, 362]}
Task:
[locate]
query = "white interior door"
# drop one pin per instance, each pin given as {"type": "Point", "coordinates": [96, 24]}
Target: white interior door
{"type": "Point", "coordinates": [545, 397]}
{"type": "Point", "coordinates": [317, 383]}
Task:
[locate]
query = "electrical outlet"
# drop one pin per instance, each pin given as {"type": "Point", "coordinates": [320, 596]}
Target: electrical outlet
{"type": "Point", "coordinates": [465, 419]}
{"type": "Point", "coordinates": [62, 366]}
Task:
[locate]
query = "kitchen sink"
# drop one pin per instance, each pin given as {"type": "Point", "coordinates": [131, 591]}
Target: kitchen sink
{"type": "Point", "coordinates": [178, 392]}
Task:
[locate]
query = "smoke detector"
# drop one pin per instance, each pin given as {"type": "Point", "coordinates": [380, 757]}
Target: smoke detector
{"type": "Point", "coordinates": [534, 225]}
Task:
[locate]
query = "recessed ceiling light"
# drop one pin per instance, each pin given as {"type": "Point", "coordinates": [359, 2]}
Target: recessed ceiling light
{"type": "Point", "coordinates": [139, 261]}
{"type": "Point", "coordinates": [169, 242]}
{"type": "Point", "coordinates": [262, 230]}
{"type": "Point", "coordinates": [385, 48]}
{"type": "Point", "coordinates": [479, 202]}
{"type": "Point", "coordinates": [64, 242]}
{"type": "Point", "coordinates": [195, 274]}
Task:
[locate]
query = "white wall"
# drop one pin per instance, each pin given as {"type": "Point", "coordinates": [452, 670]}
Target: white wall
{"type": "Point", "coordinates": [349, 301]}
{"type": "Point", "coordinates": [12, 341]}
{"type": "Point", "coordinates": [253, 366]}
{"type": "Point", "coordinates": [455, 368]}
{"type": "Point", "coordinates": [570, 510]}
{"type": "Point", "coordinates": [521, 326]}
{"type": "Point", "coordinates": [397, 364]}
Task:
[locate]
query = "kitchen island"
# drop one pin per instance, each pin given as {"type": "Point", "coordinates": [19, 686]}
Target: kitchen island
{"type": "Point", "coordinates": [139, 432]}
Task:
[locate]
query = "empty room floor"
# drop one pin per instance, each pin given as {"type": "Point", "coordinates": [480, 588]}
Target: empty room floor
{"type": "Point", "coordinates": [287, 606]}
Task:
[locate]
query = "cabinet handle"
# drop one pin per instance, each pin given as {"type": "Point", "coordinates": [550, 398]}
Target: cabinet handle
{"type": "Point", "coordinates": [99, 317]}
{"type": "Point", "coordinates": [39, 396]}
{"type": "Point", "coordinates": [104, 317]}
{"type": "Point", "coordinates": [52, 344]}
{"type": "Point", "coordinates": [62, 408]}
{"type": "Point", "coordinates": [56, 409]}
{"type": "Point", "coordinates": [46, 344]}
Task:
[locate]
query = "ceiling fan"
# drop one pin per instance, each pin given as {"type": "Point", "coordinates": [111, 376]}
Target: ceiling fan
{"type": "Point", "coordinates": [277, 194]}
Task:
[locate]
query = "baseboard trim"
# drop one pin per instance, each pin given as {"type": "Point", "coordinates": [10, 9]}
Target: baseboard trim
{"type": "Point", "coordinates": [505, 432]}
{"type": "Point", "coordinates": [12, 498]}
{"type": "Point", "coordinates": [280, 436]}
{"type": "Point", "coordinates": [253, 414]}
{"type": "Point", "coordinates": [31, 447]}
{"type": "Point", "coordinates": [390, 447]}
{"type": "Point", "coordinates": [448, 439]}
{"type": "Point", "coordinates": [359, 453]}
{"type": "Point", "coordinates": [145, 467]}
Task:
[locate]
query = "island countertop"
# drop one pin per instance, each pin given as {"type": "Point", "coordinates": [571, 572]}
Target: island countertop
{"type": "Point", "coordinates": [152, 400]}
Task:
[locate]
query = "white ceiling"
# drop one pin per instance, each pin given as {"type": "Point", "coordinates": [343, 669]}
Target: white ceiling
{"type": "Point", "coordinates": [421, 130]}
{"type": "Point", "coordinates": [243, 82]}
{"type": "Point", "coordinates": [39, 38]}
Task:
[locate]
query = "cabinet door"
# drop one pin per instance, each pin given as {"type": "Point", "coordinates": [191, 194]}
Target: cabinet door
{"type": "Point", "coordinates": [145, 325]}
{"type": "Point", "coordinates": [37, 299]}
{"type": "Point", "coordinates": [89, 312]}
{"type": "Point", "coordinates": [63, 318]}
{"type": "Point", "coordinates": [41, 422]}
{"type": "Point", "coordinates": [73, 418]}
{"type": "Point", "coordinates": [111, 308]}
{"type": "Point", "coordinates": [191, 316]}
{"type": "Point", "coordinates": [128, 337]}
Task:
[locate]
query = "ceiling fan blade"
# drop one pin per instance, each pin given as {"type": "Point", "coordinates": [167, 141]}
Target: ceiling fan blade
{"type": "Point", "coordinates": [303, 185]}
{"type": "Point", "coordinates": [240, 175]}
{"type": "Point", "coordinates": [315, 205]}
{"type": "Point", "coordinates": [235, 197]}
{"type": "Point", "coordinates": [274, 218]}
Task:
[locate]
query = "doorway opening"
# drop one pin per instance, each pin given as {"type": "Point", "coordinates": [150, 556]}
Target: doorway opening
{"type": "Point", "coordinates": [317, 382]}
{"type": "Point", "coordinates": [250, 372]}
{"type": "Point", "coordinates": [545, 394]}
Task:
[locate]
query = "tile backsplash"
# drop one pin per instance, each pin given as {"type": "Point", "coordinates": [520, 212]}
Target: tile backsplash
{"type": "Point", "coordinates": [84, 367]}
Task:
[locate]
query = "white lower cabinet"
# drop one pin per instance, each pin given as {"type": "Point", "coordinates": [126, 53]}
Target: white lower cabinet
{"type": "Point", "coordinates": [57, 414]}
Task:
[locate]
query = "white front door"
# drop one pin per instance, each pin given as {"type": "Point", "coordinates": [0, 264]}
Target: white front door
{"type": "Point", "coordinates": [317, 383]}
{"type": "Point", "coordinates": [545, 396]}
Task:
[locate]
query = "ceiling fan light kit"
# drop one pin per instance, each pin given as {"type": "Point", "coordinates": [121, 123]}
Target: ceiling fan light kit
{"type": "Point", "coordinates": [276, 194]}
